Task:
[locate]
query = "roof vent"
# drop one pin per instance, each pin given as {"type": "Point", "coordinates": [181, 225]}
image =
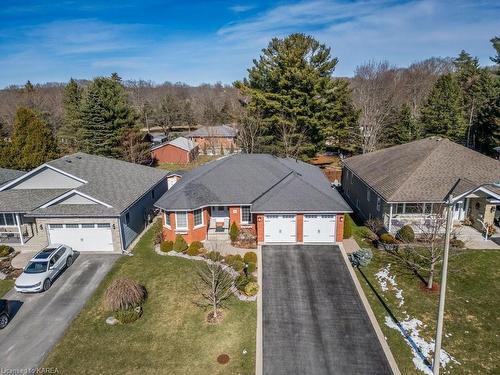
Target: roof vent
{"type": "Point", "coordinates": [68, 161]}
{"type": "Point", "coordinates": [78, 157]}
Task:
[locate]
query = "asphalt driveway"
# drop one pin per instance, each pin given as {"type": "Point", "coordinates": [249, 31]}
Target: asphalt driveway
{"type": "Point", "coordinates": [314, 321]}
{"type": "Point", "coordinates": [42, 318]}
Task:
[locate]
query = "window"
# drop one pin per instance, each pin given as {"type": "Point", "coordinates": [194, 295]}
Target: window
{"type": "Point", "coordinates": [167, 219]}
{"type": "Point", "coordinates": [378, 203]}
{"type": "Point", "coordinates": [104, 225]}
{"type": "Point", "coordinates": [181, 220]}
{"type": "Point", "coordinates": [198, 217]}
{"type": "Point", "coordinates": [72, 226]}
{"type": "Point", "coordinates": [55, 226]}
{"type": "Point", "coordinates": [245, 215]}
{"type": "Point", "coordinates": [87, 225]}
{"type": "Point", "coordinates": [7, 220]}
{"type": "Point", "coordinates": [414, 208]}
{"type": "Point", "coordinates": [400, 208]}
{"type": "Point", "coordinates": [368, 194]}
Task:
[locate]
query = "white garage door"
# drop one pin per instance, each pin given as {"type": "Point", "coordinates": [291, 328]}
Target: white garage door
{"type": "Point", "coordinates": [319, 228]}
{"type": "Point", "coordinates": [82, 237]}
{"type": "Point", "coordinates": [280, 228]}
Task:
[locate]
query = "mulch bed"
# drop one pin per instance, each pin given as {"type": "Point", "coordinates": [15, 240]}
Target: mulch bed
{"type": "Point", "coordinates": [435, 288]}
{"type": "Point", "coordinates": [212, 320]}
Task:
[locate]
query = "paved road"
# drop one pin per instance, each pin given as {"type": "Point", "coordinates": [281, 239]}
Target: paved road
{"type": "Point", "coordinates": [313, 319]}
{"type": "Point", "coordinates": [42, 318]}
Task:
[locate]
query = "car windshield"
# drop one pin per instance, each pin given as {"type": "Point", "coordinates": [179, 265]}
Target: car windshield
{"type": "Point", "coordinates": [36, 267]}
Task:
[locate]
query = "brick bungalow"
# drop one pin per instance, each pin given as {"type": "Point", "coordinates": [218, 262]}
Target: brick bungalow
{"type": "Point", "coordinates": [281, 200]}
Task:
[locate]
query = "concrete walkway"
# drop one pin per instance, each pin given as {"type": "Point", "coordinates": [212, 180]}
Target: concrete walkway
{"type": "Point", "coordinates": [475, 240]}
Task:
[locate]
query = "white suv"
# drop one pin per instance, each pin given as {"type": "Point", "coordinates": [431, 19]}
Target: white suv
{"type": "Point", "coordinates": [42, 269]}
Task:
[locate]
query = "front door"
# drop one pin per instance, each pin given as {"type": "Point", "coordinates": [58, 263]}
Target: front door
{"type": "Point", "coordinates": [458, 211]}
{"type": "Point", "coordinates": [219, 213]}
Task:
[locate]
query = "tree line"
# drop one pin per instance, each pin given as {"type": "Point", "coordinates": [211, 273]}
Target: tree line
{"type": "Point", "coordinates": [290, 104]}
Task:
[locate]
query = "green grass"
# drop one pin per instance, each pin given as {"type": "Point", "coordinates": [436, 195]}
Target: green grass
{"type": "Point", "coordinates": [471, 315]}
{"type": "Point", "coordinates": [5, 286]}
{"type": "Point", "coordinates": [199, 161]}
{"type": "Point", "coordinates": [170, 338]}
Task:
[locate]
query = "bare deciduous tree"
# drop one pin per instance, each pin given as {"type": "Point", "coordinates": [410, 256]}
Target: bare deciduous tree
{"type": "Point", "coordinates": [249, 132]}
{"type": "Point", "coordinates": [215, 286]}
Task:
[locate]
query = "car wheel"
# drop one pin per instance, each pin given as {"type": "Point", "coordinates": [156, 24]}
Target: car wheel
{"type": "Point", "coordinates": [69, 261]}
{"type": "Point", "coordinates": [46, 284]}
{"type": "Point", "coordinates": [4, 320]}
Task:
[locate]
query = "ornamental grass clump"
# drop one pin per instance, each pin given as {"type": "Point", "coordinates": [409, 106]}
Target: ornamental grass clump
{"type": "Point", "coordinates": [124, 294]}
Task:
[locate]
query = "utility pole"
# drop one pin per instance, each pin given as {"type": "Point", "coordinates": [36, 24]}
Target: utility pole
{"type": "Point", "coordinates": [442, 292]}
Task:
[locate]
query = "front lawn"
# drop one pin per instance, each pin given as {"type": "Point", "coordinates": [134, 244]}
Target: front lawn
{"type": "Point", "coordinates": [170, 338]}
{"type": "Point", "coordinates": [472, 322]}
{"type": "Point", "coordinates": [5, 286]}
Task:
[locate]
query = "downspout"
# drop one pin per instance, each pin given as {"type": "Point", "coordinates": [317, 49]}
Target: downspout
{"type": "Point", "coordinates": [390, 219]}
{"type": "Point", "coordinates": [18, 222]}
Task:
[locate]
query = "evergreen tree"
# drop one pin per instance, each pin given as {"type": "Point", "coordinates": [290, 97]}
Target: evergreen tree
{"type": "Point", "coordinates": [496, 45]}
{"type": "Point", "coordinates": [105, 114]}
{"type": "Point", "coordinates": [442, 112]}
{"type": "Point", "coordinates": [32, 140]}
{"type": "Point", "coordinates": [291, 86]}
{"type": "Point", "coordinates": [68, 132]}
{"type": "Point", "coordinates": [5, 149]}
{"type": "Point", "coordinates": [402, 127]}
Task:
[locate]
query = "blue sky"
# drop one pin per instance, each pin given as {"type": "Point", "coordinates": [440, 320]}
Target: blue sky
{"type": "Point", "coordinates": [215, 41]}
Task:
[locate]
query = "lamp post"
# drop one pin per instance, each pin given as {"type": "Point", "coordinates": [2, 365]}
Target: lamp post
{"type": "Point", "coordinates": [442, 291]}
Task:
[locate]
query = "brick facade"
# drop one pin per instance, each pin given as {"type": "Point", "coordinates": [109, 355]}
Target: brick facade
{"type": "Point", "coordinates": [339, 233]}
{"type": "Point", "coordinates": [191, 234]}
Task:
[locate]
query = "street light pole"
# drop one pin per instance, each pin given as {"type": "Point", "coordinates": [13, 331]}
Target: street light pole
{"type": "Point", "coordinates": [442, 292]}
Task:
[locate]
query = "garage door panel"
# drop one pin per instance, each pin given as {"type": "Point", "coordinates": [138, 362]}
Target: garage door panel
{"type": "Point", "coordinates": [82, 237]}
{"type": "Point", "coordinates": [319, 227]}
{"type": "Point", "coordinates": [280, 228]}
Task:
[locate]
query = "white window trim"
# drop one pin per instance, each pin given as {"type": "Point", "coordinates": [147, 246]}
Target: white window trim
{"type": "Point", "coordinates": [241, 215]}
{"type": "Point", "coordinates": [5, 220]}
{"type": "Point", "coordinates": [194, 219]}
{"type": "Point", "coordinates": [177, 228]}
{"type": "Point", "coordinates": [169, 226]}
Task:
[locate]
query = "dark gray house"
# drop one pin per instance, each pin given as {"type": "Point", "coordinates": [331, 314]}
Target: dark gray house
{"type": "Point", "coordinates": [88, 202]}
{"type": "Point", "coordinates": [408, 184]}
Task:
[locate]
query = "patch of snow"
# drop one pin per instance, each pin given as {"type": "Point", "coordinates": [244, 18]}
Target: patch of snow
{"type": "Point", "coordinates": [384, 278]}
{"type": "Point", "coordinates": [421, 349]}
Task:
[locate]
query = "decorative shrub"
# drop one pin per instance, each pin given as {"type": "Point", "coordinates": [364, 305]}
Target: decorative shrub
{"type": "Point", "coordinates": [251, 288]}
{"type": "Point", "coordinates": [230, 259]}
{"type": "Point", "coordinates": [158, 238]}
{"type": "Point", "coordinates": [166, 246]}
{"type": "Point", "coordinates": [238, 265]}
{"type": "Point", "coordinates": [251, 267]}
{"type": "Point", "coordinates": [233, 232]}
{"type": "Point", "coordinates": [458, 244]}
{"type": "Point", "coordinates": [361, 257]}
{"type": "Point", "coordinates": [250, 257]}
{"type": "Point", "coordinates": [128, 315]}
{"type": "Point", "coordinates": [406, 234]}
{"type": "Point", "coordinates": [194, 248]}
{"type": "Point", "coordinates": [124, 294]}
{"type": "Point", "coordinates": [347, 226]}
{"type": "Point", "coordinates": [387, 238]}
{"type": "Point", "coordinates": [214, 256]}
{"type": "Point", "coordinates": [5, 250]}
{"type": "Point", "coordinates": [180, 244]}
{"type": "Point", "coordinates": [242, 281]}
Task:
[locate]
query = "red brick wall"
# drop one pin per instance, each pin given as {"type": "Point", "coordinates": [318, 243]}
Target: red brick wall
{"type": "Point", "coordinates": [192, 234]}
{"type": "Point", "coordinates": [340, 228]}
{"type": "Point", "coordinates": [171, 154]}
{"type": "Point", "coordinates": [259, 223]}
{"type": "Point", "coordinates": [235, 215]}
{"type": "Point", "coordinates": [299, 218]}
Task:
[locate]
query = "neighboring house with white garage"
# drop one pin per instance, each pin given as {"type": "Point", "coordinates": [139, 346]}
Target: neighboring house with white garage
{"type": "Point", "coordinates": [88, 202]}
{"type": "Point", "coordinates": [282, 200]}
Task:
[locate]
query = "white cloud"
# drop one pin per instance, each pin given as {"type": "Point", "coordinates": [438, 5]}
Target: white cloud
{"type": "Point", "coordinates": [241, 8]}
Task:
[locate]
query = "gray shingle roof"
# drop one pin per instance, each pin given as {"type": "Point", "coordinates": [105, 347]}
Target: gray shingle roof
{"type": "Point", "coordinates": [424, 171]}
{"type": "Point", "coordinates": [221, 131]}
{"type": "Point", "coordinates": [266, 182]}
{"type": "Point", "coordinates": [7, 175]}
{"type": "Point", "coordinates": [114, 182]}
{"type": "Point", "coordinates": [180, 142]}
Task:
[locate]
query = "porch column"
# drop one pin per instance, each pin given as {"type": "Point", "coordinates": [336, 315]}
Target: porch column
{"type": "Point", "coordinates": [390, 218]}
{"type": "Point", "coordinates": [18, 222]}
